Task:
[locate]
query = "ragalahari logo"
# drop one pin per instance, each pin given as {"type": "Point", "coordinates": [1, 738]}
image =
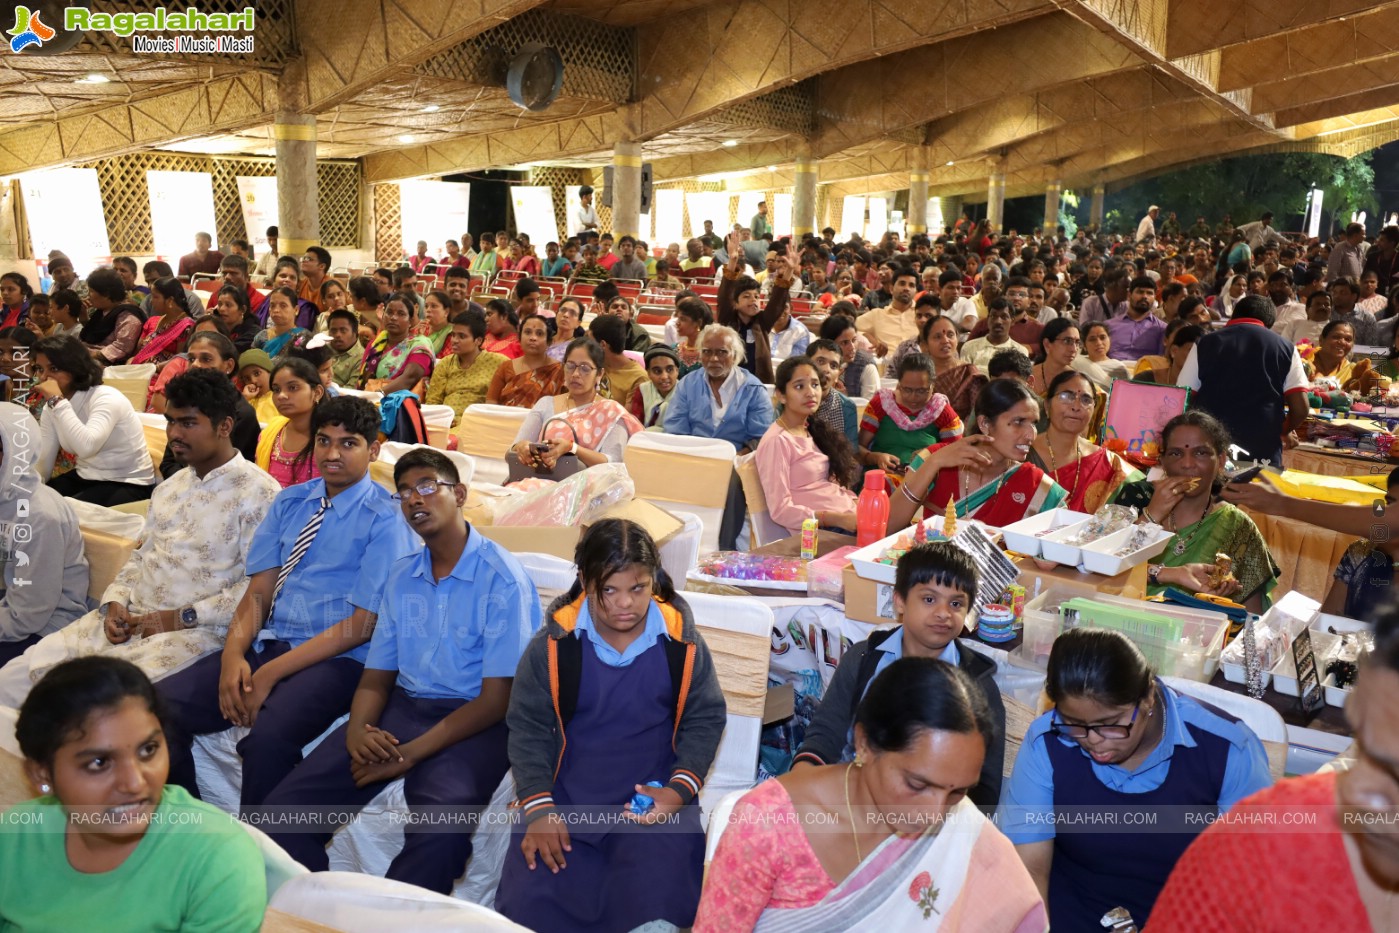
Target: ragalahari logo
{"type": "Point", "coordinates": [29, 30]}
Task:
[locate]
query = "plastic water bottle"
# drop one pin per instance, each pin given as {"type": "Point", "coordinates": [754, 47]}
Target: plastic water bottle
{"type": "Point", "coordinates": [872, 511]}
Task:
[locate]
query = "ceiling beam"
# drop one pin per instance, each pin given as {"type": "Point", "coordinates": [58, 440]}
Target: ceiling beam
{"type": "Point", "coordinates": [1196, 26]}
{"type": "Point", "coordinates": [1141, 25]}
{"type": "Point", "coordinates": [876, 98]}
{"type": "Point", "coordinates": [692, 65]}
{"type": "Point", "coordinates": [223, 105]}
{"type": "Point", "coordinates": [1341, 81]}
{"type": "Point", "coordinates": [1357, 107]}
{"type": "Point", "coordinates": [1306, 51]}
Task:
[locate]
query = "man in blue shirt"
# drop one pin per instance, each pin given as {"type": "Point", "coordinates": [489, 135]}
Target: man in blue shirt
{"type": "Point", "coordinates": [723, 400]}
{"type": "Point", "coordinates": [431, 704]}
{"type": "Point", "coordinates": [297, 644]}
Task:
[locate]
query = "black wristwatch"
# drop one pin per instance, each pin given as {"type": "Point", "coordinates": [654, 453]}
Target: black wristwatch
{"type": "Point", "coordinates": [188, 617]}
{"type": "Point", "coordinates": [1153, 574]}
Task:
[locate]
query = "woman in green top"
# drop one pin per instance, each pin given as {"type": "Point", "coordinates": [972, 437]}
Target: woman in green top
{"type": "Point", "coordinates": [109, 846]}
{"type": "Point", "coordinates": [435, 327]}
{"type": "Point", "coordinates": [1187, 502]}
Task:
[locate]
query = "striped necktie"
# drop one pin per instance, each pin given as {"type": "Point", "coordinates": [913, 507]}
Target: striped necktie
{"type": "Point", "coordinates": [298, 551]}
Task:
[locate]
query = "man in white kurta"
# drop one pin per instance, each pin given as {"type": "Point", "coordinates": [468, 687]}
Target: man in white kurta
{"type": "Point", "coordinates": [190, 562]}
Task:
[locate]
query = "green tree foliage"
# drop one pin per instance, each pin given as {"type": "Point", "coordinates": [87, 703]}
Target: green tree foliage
{"type": "Point", "coordinates": [1246, 186]}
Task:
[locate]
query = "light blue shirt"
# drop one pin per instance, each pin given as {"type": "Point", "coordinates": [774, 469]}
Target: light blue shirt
{"type": "Point", "coordinates": [746, 420]}
{"type": "Point", "coordinates": [1027, 807]}
{"type": "Point", "coordinates": [361, 535]}
{"type": "Point", "coordinates": [445, 636]}
{"type": "Point", "coordinates": [653, 632]}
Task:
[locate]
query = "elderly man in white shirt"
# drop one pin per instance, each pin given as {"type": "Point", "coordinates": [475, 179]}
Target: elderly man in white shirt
{"type": "Point", "coordinates": [172, 601]}
{"type": "Point", "coordinates": [1146, 230]}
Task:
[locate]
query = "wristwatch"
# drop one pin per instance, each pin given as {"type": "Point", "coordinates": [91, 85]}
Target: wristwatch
{"type": "Point", "coordinates": [1153, 572]}
{"type": "Point", "coordinates": [188, 617]}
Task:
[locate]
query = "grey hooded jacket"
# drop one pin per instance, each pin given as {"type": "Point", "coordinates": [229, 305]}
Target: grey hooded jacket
{"type": "Point", "coordinates": [42, 565]}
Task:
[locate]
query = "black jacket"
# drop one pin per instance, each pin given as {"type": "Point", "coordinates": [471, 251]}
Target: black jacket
{"type": "Point", "coordinates": [826, 736]}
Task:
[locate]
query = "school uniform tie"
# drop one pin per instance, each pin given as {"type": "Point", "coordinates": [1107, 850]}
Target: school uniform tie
{"type": "Point", "coordinates": [298, 551]}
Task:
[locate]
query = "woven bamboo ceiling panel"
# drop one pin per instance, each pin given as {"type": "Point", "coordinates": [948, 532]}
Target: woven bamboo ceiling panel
{"type": "Point", "coordinates": [1078, 91]}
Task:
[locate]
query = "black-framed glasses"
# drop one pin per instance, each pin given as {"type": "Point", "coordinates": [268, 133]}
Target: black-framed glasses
{"type": "Point", "coordinates": [1073, 730]}
{"type": "Point", "coordinates": [427, 487]}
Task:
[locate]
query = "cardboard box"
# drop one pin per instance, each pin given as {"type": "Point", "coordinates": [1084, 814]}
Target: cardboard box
{"type": "Point", "coordinates": [868, 601]}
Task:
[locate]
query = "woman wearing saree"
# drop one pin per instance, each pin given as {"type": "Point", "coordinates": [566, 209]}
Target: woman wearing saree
{"type": "Point", "coordinates": [1089, 474]}
{"type": "Point", "coordinates": [502, 329]}
{"type": "Point", "coordinates": [986, 474]}
{"type": "Point", "coordinates": [522, 382]}
{"type": "Point", "coordinates": [288, 275]}
{"type": "Point", "coordinates": [1331, 361]}
{"type": "Point", "coordinates": [1193, 448]}
{"type": "Point", "coordinates": [896, 844]}
{"type": "Point", "coordinates": [397, 362]}
{"type": "Point", "coordinates": [435, 326]}
{"type": "Point", "coordinates": [1059, 346]}
{"type": "Point", "coordinates": [956, 379]}
{"type": "Point", "coordinates": [281, 322]}
{"type": "Point", "coordinates": [578, 421]}
{"type": "Point", "coordinates": [164, 334]}
{"type": "Point", "coordinates": [568, 315]}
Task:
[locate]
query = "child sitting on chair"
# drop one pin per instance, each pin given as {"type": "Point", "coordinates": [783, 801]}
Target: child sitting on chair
{"type": "Point", "coordinates": [618, 690]}
{"type": "Point", "coordinates": [934, 588]}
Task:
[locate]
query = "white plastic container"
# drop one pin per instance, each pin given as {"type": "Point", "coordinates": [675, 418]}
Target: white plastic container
{"type": "Point", "coordinates": [1054, 547]}
{"type": "Point", "coordinates": [866, 559]}
{"type": "Point", "coordinates": [1324, 648]}
{"type": "Point", "coordinates": [1101, 556]}
{"type": "Point", "coordinates": [1024, 536]}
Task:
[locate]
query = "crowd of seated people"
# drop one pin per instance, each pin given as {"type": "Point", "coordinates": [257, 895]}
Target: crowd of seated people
{"type": "Point", "coordinates": [270, 554]}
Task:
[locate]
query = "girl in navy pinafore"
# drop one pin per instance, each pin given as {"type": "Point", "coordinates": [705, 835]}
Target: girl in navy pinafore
{"type": "Point", "coordinates": [616, 691]}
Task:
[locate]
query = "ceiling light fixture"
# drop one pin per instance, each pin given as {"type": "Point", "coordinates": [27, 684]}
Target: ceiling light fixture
{"type": "Point", "coordinates": [431, 108]}
{"type": "Point", "coordinates": [94, 78]}
{"type": "Point", "coordinates": [730, 143]}
{"type": "Point", "coordinates": [405, 139]}
{"type": "Point", "coordinates": [772, 168]}
{"type": "Point", "coordinates": [951, 163]}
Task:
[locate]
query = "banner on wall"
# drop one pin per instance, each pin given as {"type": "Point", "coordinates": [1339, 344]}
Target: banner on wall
{"type": "Point", "coordinates": [748, 206]}
{"type": "Point", "coordinates": [670, 214]}
{"type": "Point", "coordinates": [182, 204]}
{"type": "Point", "coordinates": [781, 211]}
{"type": "Point", "coordinates": [534, 214]}
{"type": "Point", "coordinates": [572, 203]}
{"type": "Point", "coordinates": [852, 216]}
{"type": "Point", "coordinates": [257, 197]}
{"type": "Point", "coordinates": [435, 211]}
{"type": "Point", "coordinates": [707, 205]}
{"type": "Point", "coordinates": [879, 218]}
{"type": "Point", "coordinates": [64, 207]}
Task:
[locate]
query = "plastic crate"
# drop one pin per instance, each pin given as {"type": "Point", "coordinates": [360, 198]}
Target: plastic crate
{"type": "Point", "coordinates": [1178, 641]}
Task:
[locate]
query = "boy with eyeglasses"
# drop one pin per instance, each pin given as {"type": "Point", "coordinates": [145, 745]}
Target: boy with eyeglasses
{"type": "Point", "coordinates": [431, 703]}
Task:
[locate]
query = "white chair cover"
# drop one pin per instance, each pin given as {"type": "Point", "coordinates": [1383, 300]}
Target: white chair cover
{"type": "Point", "coordinates": [486, 432]}
{"type": "Point", "coordinates": [391, 451]}
{"type": "Point", "coordinates": [356, 903]}
{"type": "Point", "coordinates": [691, 471]}
{"type": "Point", "coordinates": [761, 528]}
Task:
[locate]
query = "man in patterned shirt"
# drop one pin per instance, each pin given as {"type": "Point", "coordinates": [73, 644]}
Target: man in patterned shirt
{"type": "Point", "coordinates": [173, 599]}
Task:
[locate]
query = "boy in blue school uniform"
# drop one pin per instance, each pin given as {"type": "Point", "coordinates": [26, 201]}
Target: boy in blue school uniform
{"type": "Point", "coordinates": [298, 640]}
{"type": "Point", "coordinates": [431, 704]}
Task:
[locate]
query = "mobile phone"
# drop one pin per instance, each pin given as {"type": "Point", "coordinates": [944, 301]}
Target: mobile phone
{"type": "Point", "coordinates": [1247, 475]}
{"type": "Point", "coordinates": [539, 448]}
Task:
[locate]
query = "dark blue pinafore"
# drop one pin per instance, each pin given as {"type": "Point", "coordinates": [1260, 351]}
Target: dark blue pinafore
{"type": "Point", "coordinates": [619, 875]}
{"type": "Point", "coordinates": [1101, 865]}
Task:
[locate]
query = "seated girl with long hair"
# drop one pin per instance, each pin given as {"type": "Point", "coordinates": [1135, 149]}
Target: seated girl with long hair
{"type": "Point", "coordinates": [807, 469]}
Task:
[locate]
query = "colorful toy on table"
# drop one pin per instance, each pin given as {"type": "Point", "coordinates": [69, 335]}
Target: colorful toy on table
{"type": "Point", "coordinates": [906, 542]}
{"type": "Point", "coordinates": [997, 623]}
{"type": "Point", "coordinates": [752, 568]}
{"type": "Point", "coordinates": [640, 804]}
{"type": "Point", "coordinates": [949, 521]}
{"type": "Point", "coordinates": [811, 530]}
{"type": "Point", "coordinates": [1014, 597]}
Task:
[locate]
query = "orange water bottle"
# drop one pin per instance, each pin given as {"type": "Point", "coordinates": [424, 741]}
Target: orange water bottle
{"type": "Point", "coordinates": [872, 511]}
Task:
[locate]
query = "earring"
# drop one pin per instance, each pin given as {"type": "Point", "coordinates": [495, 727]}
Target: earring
{"type": "Point", "coordinates": [859, 763]}
{"type": "Point", "coordinates": [44, 788]}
